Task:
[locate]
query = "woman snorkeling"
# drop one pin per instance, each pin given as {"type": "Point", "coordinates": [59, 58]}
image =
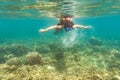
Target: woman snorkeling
{"type": "Point", "coordinates": [64, 23]}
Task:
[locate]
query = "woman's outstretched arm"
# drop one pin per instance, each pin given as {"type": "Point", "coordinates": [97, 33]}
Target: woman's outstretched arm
{"type": "Point", "coordinates": [81, 26]}
{"type": "Point", "coordinates": [47, 29]}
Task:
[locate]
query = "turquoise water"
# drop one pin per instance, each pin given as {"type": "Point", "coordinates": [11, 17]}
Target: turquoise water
{"type": "Point", "coordinates": [106, 27]}
{"type": "Point", "coordinates": [23, 18]}
{"type": "Point", "coordinates": [79, 54]}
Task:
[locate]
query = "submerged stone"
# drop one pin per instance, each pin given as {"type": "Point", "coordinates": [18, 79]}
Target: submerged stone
{"type": "Point", "coordinates": [13, 61]}
{"type": "Point", "coordinates": [116, 77]}
{"type": "Point", "coordinates": [94, 41]}
{"type": "Point", "coordinates": [32, 58]}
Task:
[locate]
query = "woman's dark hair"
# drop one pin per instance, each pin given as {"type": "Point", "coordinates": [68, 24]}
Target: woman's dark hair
{"type": "Point", "coordinates": [66, 16]}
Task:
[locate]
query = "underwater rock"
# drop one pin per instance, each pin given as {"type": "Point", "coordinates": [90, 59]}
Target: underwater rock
{"type": "Point", "coordinates": [32, 58]}
{"type": "Point", "coordinates": [2, 50]}
{"type": "Point", "coordinates": [94, 41]}
{"type": "Point", "coordinates": [59, 56]}
{"type": "Point", "coordinates": [17, 49]}
{"type": "Point", "coordinates": [116, 53]}
{"type": "Point", "coordinates": [2, 58]}
{"type": "Point", "coordinates": [2, 53]}
{"type": "Point", "coordinates": [1, 77]}
{"type": "Point", "coordinates": [116, 77]}
{"type": "Point", "coordinates": [96, 77]}
{"type": "Point", "coordinates": [43, 49]}
{"type": "Point", "coordinates": [9, 56]}
{"type": "Point", "coordinates": [13, 61]}
{"type": "Point", "coordinates": [49, 67]}
{"type": "Point", "coordinates": [11, 68]}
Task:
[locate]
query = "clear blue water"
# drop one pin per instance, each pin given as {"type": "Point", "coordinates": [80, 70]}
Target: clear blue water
{"type": "Point", "coordinates": [21, 19]}
{"type": "Point", "coordinates": [106, 27]}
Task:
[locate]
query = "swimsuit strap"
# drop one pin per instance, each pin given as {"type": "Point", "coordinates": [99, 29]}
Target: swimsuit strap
{"type": "Point", "coordinates": [67, 28]}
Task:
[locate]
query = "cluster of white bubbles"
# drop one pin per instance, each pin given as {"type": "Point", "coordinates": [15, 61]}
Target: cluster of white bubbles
{"type": "Point", "coordinates": [70, 38]}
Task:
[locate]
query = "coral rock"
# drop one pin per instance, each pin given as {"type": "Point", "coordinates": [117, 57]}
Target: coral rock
{"type": "Point", "coordinates": [116, 77]}
{"type": "Point", "coordinates": [13, 61]}
{"type": "Point", "coordinates": [96, 77]}
{"type": "Point", "coordinates": [33, 58]}
{"type": "Point", "coordinates": [94, 41]}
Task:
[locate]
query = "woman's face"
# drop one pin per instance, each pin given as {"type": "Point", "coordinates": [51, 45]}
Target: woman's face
{"type": "Point", "coordinates": [67, 19]}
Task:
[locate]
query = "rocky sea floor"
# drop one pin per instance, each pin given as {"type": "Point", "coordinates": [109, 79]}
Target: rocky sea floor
{"type": "Point", "coordinates": [92, 60]}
